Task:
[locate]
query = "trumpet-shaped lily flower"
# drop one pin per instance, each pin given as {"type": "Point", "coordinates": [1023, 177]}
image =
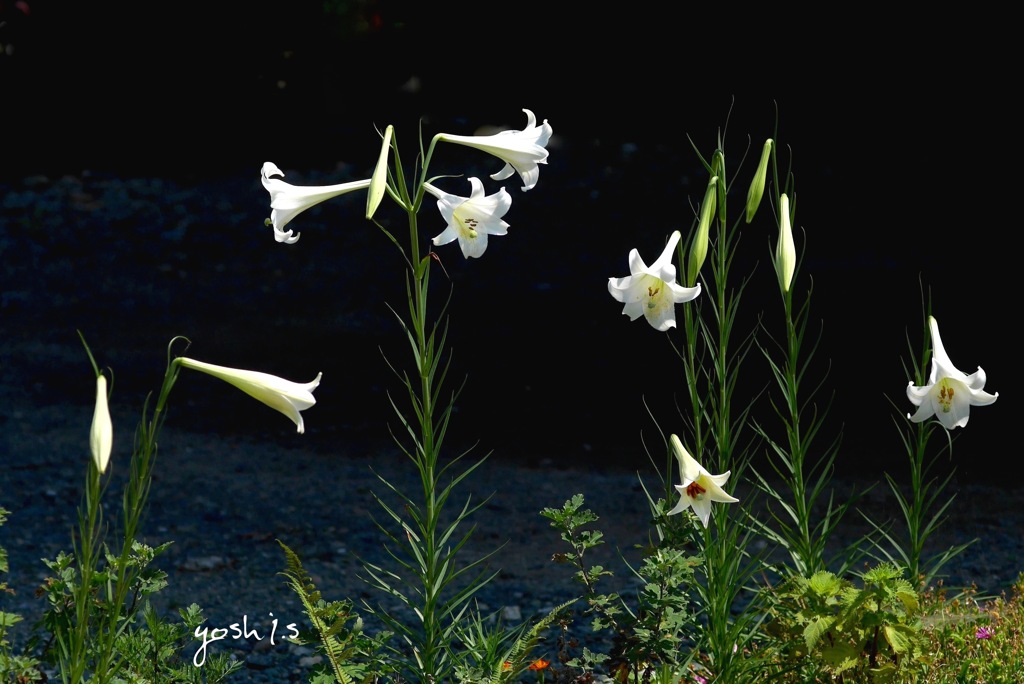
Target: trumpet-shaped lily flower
{"type": "Point", "coordinates": [521, 150]}
{"type": "Point", "coordinates": [950, 393]}
{"type": "Point", "coordinates": [287, 201]}
{"type": "Point", "coordinates": [471, 219]}
{"type": "Point", "coordinates": [699, 487]}
{"type": "Point", "coordinates": [101, 435]}
{"type": "Point", "coordinates": [281, 395]}
{"type": "Point", "coordinates": [652, 291]}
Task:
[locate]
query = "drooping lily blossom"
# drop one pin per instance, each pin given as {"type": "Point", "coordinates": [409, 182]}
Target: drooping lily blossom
{"type": "Point", "coordinates": [101, 434]}
{"type": "Point", "coordinates": [287, 201]}
{"type": "Point", "coordinates": [652, 291]}
{"type": "Point", "coordinates": [698, 487]}
{"type": "Point", "coordinates": [281, 395]}
{"type": "Point", "coordinates": [471, 219]}
{"type": "Point", "coordinates": [950, 393]}
{"type": "Point", "coordinates": [521, 151]}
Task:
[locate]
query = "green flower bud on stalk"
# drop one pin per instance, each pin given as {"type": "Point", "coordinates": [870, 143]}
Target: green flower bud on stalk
{"type": "Point", "coordinates": [699, 245]}
{"type": "Point", "coordinates": [756, 190]}
{"type": "Point", "coordinates": [379, 180]}
{"type": "Point", "coordinates": [785, 251]}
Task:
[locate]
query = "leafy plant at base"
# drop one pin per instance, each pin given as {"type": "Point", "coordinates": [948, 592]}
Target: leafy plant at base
{"type": "Point", "coordinates": [826, 626]}
{"type": "Point", "coordinates": [19, 668]}
{"type": "Point", "coordinates": [152, 653]}
{"type": "Point", "coordinates": [650, 630]}
{"type": "Point", "coordinates": [352, 656]}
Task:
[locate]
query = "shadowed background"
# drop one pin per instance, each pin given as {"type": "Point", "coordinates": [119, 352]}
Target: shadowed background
{"type": "Point", "coordinates": [133, 211]}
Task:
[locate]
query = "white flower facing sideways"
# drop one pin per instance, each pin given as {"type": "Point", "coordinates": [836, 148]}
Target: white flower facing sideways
{"type": "Point", "coordinates": [471, 219]}
{"type": "Point", "coordinates": [521, 151]}
{"type": "Point", "coordinates": [288, 201]}
{"type": "Point", "coordinates": [652, 291]}
{"type": "Point", "coordinates": [279, 394]}
{"type": "Point", "coordinates": [699, 487]}
{"type": "Point", "coordinates": [101, 434]}
{"type": "Point", "coordinates": [950, 393]}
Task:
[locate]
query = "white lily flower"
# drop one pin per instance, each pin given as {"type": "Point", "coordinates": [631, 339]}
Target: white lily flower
{"type": "Point", "coordinates": [101, 434]}
{"type": "Point", "coordinates": [471, 219]}
{"type": "Point", "coordinates": [950, 393]}
{"type": "Point", "coordinates": [521, 150]}
{"type": "Point", "coordinates": [281, 395]}
{"type": "Point", "coordinates": [287, 201]}
{"type": "Point", "coordinates": [652, 291]}
{"type": "Point", "coordinates": [699, 487]}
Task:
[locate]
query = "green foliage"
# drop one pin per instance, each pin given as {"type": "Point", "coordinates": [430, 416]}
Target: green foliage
{"type": "Point", "coordinates": [569, 521]}
{"type": "Point", "coordinates": [654, 628]}
{"type": "Point", "coordinates": [824, 625]}
{"type": "Point", "coordinates": [14, 667]}
{"type": "Point", "coordinates": [972, 639]}
{"type": "Point", "coordinates": [351, 654]}
{"type": "Point", "coordinates": [108, 603]}
{"type": "Point", "coordinates": [152, 653]}
{"type": "Point", "coordinates": [499, 655]}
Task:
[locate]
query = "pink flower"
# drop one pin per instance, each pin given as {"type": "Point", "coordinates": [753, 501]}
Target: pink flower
{"type": "Point", "coordinates": [983, 633]}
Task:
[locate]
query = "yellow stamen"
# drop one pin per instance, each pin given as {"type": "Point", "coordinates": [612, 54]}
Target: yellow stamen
{"type": "Point", "coordinates": [945, 396]}
{"type": "Point", "coordinates": [652, 292]}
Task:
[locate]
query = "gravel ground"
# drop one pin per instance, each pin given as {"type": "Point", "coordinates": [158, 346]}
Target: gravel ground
{"type": "Point", "coordinates": [230, 481]}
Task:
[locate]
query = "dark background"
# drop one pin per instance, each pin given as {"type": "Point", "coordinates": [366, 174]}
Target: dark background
{"type": "Point", "coordinates": [904, 145]}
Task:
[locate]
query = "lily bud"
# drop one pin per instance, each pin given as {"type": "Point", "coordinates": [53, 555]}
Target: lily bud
{"type": "Point", "coordinates": [101, 435]}
{"type": "Point", "coordinates": [699, 246]}
{"type": "Point", "coordinates": [379, 180]}
{"type": "Point", "coordinates": [756, 190]}
{"type": "Point", "coordinates": [785, 251]}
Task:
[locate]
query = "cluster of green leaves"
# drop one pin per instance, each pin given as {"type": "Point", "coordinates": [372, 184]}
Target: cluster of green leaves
{"type": "Point", "coordinates": [973, 640]}
{"type": "Point", "coordinates": [351, 655]}
{"type": "Point", "coordinates": [826, 626]}
{"type": "Point", "coordinates": [14, 667]}
{"type": "Point", "coordinates": [142, 653]}
{"type": "Point", "coordinates": [652, 629]}
{"type": "Point", "coordinates": [492, 653]}
{"type": "Point", "coordinates": [153, 652]}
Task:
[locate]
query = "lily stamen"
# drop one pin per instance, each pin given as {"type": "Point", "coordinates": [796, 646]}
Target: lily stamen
{"type": "Point", "coordinates": [695, 490]}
